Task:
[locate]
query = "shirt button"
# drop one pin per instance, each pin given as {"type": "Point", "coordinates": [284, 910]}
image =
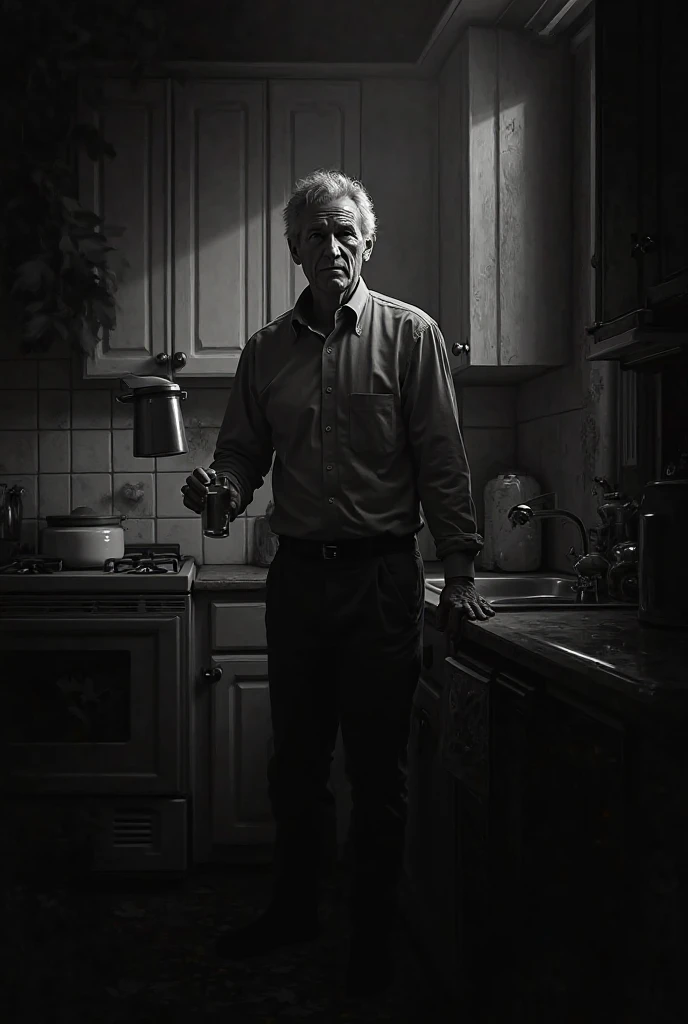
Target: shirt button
{"type": "Point", "coordinates": [329, 390]}
{"type": "Point", "coordinates": [329, 350]}
{"type": "Point", "coordinates": [328, 429]}
{"type": "Point", "coordinates": [331, 501]}
{"type": "Point", "coordinates": [328, 467]}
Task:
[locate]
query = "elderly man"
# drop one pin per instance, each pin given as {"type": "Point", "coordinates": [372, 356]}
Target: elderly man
{"type": "Point", "coordinates": [351, 391]}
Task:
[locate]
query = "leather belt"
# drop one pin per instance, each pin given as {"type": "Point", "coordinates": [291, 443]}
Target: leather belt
{"type": "Point", "coordinates": [347, 550]}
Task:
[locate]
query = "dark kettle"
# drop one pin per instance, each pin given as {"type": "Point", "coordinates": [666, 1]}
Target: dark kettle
{"type": "Point", "coordinates": [158, 423]}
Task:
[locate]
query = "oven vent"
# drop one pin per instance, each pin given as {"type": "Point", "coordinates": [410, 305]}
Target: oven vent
{"type": "Point", "coordinates": [135, 829]}
{"type": "Point", "coordinates": [71, 605]}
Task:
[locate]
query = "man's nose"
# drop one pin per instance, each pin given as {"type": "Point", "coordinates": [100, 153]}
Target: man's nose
{"type": "Point", "coordinates": [332, 246]}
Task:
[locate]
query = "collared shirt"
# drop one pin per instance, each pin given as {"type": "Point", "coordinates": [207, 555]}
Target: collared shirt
{"type": "Point", "coordinates": [363, 425]}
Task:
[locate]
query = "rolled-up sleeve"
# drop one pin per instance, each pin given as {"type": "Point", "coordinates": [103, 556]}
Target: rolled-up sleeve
{"type": "Point", "coordinates": [244, 444]}
{"type": "Point", "coordinates": [442, 473]}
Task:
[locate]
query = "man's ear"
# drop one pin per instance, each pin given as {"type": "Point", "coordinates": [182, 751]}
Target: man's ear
{"type": "Point", "coordinates": [294, 252]}
{"type": "Point", "coordinates": [368, 248]}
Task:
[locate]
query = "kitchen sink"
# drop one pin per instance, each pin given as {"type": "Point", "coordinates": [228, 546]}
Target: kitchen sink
{"type": "Point", "coordinates": [521, 591]}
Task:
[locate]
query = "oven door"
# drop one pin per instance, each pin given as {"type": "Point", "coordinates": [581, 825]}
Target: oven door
{"type": "Point", "coordinates": [91, 706]}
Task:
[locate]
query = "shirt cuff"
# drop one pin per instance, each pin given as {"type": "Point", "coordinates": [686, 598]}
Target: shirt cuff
{"type": "Point", "coordinates": [459, 563]}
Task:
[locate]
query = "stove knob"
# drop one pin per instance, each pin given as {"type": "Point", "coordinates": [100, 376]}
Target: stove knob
{"type": "Point", "coordinates": [213, 675]}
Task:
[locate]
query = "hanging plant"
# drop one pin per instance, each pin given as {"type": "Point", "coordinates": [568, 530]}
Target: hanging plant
{"type": "Point", "coordinates": [59, 269]}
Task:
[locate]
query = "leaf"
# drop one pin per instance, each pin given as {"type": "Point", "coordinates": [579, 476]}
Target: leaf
{"type": "Point", "coordinates": [37, 326]}
{"type": "Point", "coordinates": [30, 276]}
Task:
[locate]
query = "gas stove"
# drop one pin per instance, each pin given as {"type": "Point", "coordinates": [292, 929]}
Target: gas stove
{"type": "Point", "coordinates": [144, 567]}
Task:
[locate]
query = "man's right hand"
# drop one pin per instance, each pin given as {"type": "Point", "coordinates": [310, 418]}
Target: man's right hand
{"type": "Point", "coordinates": [195, 492]}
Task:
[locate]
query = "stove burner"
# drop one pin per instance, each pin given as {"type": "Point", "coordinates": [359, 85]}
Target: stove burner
{"type": "Point", "coordinates": [143, 562]}
{"type": "Point", "coordinates": [31, 565]}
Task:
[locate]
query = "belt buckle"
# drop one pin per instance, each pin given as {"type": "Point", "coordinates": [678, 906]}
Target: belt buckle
{"type": "Point", "coordinates": [329, 551]}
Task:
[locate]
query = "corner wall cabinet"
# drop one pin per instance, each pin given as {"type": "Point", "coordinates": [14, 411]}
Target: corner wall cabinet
{"type": "Point", "coordinates": [505, 200]}
{"type": "Point", "coordinates": [641, 258]}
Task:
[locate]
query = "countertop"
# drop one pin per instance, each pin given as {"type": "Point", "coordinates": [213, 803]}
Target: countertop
{"type": "Point", "coordinates": [230, 577]}
{"type": "Point", "coordinates": [600, 646]}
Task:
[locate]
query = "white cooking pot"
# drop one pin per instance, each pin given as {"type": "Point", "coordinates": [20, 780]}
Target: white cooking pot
{"type": "Point", "coordinates": [83, 540]}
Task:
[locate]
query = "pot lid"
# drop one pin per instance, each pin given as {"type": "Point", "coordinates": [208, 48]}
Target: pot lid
{"type": "Point", "coordinates": [136, 385]}
{"type": "Point", "coordinates": [84, 516]}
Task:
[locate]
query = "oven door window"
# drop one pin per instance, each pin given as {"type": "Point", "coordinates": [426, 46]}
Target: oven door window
{"type": "Point", "coordinates": [91, 706]}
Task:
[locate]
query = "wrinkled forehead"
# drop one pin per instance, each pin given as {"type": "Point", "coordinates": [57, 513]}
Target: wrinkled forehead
{"type": "Point", "coordinates": [333, 214]}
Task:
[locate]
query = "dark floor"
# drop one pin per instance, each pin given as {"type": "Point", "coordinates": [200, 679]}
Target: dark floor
{"type": "Point", "coordinates": [140, 953]}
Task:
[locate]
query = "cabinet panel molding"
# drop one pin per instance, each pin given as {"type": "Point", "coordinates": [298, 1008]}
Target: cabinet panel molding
{"type": "Point", "coordinates": [312, 125]}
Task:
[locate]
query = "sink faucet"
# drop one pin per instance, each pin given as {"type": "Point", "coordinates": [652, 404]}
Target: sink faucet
{"type": "Point", "coordinates": [589, 568]}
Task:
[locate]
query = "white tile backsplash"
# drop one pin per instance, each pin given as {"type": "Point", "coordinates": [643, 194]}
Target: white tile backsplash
{"type": "Point", "coordinates": [122, 413]}
{"type": "Point", "coordinates": [170, 501]}
{"type": "Point", "coordinates": [54, 409]}
{"type": "Point", "coordinates": [18, 409]}
{"type": "Point", "coordinates": [54, 497]}
{"type": "Point", "coordinates": [54, 451]}
{"type": "Point", "coordinates": [93, 490]}
{"type": "Point", "coordinates": [134, 494]}
{"type": "Point", "coordinates": [91, 451]}
{"type": "Point", "coordinates": [188, 533]}
{"type": "Point", "coordinates": [19, 373]}
{"type": "Point", "coordinates": [230, 550]}
{"type": "Point", "coordinates": [53, 373]}
{"type": "Point", "coordinates": [261, 498]}
{"type": "Point", "coordinates": [123, 459]}
{"type": "Point", "coordinates": [139, 531]}
{"type": "Point", "coordinates": [91, 409]}
{"type": "Point", "coordinates": [18, 451]}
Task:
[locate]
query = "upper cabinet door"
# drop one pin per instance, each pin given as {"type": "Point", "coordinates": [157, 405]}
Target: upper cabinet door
{"type": "Point", "coordinates": [312, 125]}
{"type": "Point", "coordinates": [219, 210]}
{"type": "Point", "coordinates": [505, 206]}
{"type": "Point", "coordinates": [131, 191]}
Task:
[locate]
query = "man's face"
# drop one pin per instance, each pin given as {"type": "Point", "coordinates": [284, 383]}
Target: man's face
{"type": "Point", "coordinates": [331, 248]}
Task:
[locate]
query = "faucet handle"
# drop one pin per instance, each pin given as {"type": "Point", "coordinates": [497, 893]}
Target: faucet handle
{"type": "Point", "coordinates": [572, 555]}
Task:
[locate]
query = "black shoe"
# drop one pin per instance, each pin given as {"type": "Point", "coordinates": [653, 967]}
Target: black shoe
{"type": "Point", "coordinates": [272, 930]}
{"type": "Point", "coordinates": [369, 972]}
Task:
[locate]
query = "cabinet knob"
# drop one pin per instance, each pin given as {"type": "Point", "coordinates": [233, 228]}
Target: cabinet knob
{"type": "Point", "coordinates": [213, 675]}
{"type": "Point", "coordinates": [162, 359]}
{"type": "Point", "coordinates": [179, 360]}
{"type": "Point", "coordinates": [459, 347]}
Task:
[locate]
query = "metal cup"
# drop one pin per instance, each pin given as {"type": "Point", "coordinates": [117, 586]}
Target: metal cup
{"type": "Point", "coordinates": [217, 508]}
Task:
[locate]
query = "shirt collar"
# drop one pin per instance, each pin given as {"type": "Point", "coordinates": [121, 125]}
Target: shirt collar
{"type": "Point", "coordinates": [357, 304]}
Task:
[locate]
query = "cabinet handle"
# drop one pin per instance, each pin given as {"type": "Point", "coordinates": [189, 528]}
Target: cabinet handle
{"type": "Point", "coordinates": [213, 675]}
{"type": "Point", "coordinates": [458, 348]}
{"type": "Point", "coordinates": [162, 359]}
{"type": "Point", "coordinates": [641, 246]}
{"type": "Point", "coordinates": [179, 360]}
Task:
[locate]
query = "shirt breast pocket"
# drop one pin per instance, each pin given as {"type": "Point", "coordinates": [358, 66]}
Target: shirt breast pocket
{"type": "Point", "coordinates": [372, 423]}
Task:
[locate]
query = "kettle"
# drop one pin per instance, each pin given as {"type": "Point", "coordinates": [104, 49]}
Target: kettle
{"type": "Point", "coordinates": [11, 513]}
{"type": "Point", "coordinates": [158, 424]}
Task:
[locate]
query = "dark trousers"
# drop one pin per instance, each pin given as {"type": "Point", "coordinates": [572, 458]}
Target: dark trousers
{"type": "Point", "coordinates": [344, 649]}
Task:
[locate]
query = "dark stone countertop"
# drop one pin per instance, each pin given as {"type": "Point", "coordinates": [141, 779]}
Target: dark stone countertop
{"type": "Point", "coordinates": [230, 577]}
{"type": "Point", "coordinates": [601, 646]}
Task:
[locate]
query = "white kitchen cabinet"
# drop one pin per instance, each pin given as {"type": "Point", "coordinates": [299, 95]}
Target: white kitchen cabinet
{"type": "Point", "coordinates": [312, 124]}
{"type": "Point", "coordinates": [131, 191]}
{"type": "Point", "coordinates": [241, 736]}
{"type": "Point", "coordinates": [219, 218]}
{"type": "Point", "coordinates": [505, 206]}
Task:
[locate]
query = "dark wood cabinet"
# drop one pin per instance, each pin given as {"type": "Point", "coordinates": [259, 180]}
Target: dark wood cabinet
{"type": "Point", "coordinates": [642, 166]}
{"type": "Point", "coordinates": [432, 867]}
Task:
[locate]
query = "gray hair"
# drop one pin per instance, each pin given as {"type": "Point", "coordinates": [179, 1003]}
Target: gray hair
{"type": "Point", "coordinates": [324, 185]}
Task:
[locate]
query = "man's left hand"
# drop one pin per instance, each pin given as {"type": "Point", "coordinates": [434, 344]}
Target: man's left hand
{"type": "Point", "coordinates": [459, 599]}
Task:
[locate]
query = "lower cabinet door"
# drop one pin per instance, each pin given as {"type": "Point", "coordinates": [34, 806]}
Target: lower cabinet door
{"type": "Point", "coordinates": [241, 737]}
{"type": "Point", "coordinates": [431, 854]}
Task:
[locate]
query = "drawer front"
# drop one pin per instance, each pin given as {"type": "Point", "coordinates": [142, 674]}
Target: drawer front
{"type": "Point", "coordinates": [237, 625]}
